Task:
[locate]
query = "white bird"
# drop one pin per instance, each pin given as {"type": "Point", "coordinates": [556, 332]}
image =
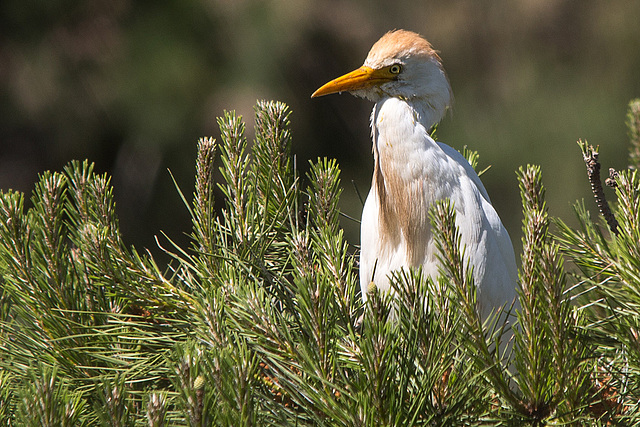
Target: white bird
{"type": "Point", "coordinates": [404, 76]}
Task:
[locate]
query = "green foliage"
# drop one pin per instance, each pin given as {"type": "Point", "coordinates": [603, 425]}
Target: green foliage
{"type": "Point", "coordinates": [46, 400]}
{"type": "Point", "coordinates": [633, 124]}
{"type": "Point", "coordinates": [473, 157]}
{"type": "Point", "coordinates": [260, 322]}
{"type": "Point", "coordinates": [609, 295]}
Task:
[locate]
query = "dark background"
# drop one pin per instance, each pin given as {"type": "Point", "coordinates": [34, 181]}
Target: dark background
{"type": "Point", "coordinates": [133, 85]}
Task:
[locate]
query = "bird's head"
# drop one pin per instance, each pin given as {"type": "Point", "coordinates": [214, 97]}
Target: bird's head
{"type": "Point", "coordinates": [401, 64]}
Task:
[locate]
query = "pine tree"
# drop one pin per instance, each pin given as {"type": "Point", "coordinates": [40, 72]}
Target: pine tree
{"type": "Point", "coordinates": [259, 320]}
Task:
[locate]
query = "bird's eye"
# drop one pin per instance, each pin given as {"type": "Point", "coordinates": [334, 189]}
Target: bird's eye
{"type": "Point", "coordinates": [395, 69]}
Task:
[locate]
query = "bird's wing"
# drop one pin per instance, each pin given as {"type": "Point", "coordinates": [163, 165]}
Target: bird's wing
{"type": "Point", "coordinates": [497, 250]}
{"type": "Point", "coordinates": [459, 158]}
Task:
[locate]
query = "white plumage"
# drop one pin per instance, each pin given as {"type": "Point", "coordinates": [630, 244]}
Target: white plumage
{"type": "Point", "coordinates": [403, 75]}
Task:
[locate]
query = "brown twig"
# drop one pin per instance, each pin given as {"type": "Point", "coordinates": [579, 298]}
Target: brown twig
{"type": "Point", "coordinates": [590, 156]}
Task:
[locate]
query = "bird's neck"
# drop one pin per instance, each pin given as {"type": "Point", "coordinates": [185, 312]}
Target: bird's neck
{"type": "Point", "coordinates": [400, 128]}
{"type": "Point", "coordinates": [405, 167]}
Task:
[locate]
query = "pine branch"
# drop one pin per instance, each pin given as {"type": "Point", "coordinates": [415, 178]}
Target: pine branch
{"type": "Point", "coordinates": [454, 268]}
{"type": "Point", "coordinates": [590, 156]}
{"type": "Point", "coordinates": [633, 126]}
{"type": "Point", "coordinates": [204, 216]}
{"type": "Point", "coordinates": [554, 377]}
{"type": "Point", "coordinates": [157, 409]}
{"type": "Point", "coordinates": [534, 366]}
{"type": "Point", "coordinates": [47, 400]}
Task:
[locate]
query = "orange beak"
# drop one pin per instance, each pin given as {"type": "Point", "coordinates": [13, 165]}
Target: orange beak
{"type": "Point", "coordinates": [362, 78]}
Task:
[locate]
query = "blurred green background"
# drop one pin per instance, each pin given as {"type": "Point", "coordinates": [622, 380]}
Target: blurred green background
{"type": "Point", "coordinates": [132, 85]}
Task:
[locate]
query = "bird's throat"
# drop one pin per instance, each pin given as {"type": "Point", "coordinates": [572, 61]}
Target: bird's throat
{"type": "Point", "coordinates": [401, 176]}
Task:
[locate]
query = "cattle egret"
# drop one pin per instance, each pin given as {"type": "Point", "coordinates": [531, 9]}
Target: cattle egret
{"type": "Point", "coordinates": [404, 76]}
